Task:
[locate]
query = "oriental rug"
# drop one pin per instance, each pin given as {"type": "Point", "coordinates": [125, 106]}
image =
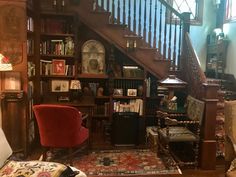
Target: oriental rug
{"type": "Point", "coordinates": [124, 162]}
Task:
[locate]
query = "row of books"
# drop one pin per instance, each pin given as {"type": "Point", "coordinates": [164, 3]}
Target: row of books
{"type": "Point", "coordinates": [30, 46]}
{"type": "Point", "coordinates": [57, 47]}
{"type": "Point", "coordinates": [31, 69]}
{"type": "Point", "coordinates": [47, 69]}
{"type": "Point", "coordinates": [134, 105]}
{"type": "Point", "coordinates": [30, 24]}
{"type": "Point", "coordinates": [56, 26]}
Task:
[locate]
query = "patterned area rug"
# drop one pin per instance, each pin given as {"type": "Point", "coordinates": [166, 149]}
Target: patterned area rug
{"type": "Point", "coordinates": [124, 162]}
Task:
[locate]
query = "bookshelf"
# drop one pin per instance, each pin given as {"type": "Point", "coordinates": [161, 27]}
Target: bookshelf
{"type": "Point", "coordinates": [64, 40]}
{"type": "Point", "coordinates": [57, 62]}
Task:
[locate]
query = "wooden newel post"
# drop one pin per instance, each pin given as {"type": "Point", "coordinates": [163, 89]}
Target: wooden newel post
{"type": "Point", "coordinates": [207, 159]}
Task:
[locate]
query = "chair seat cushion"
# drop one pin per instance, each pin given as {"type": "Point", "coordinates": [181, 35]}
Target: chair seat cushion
{"type": "Point", "coordinates": [177, 134]}
{"type": "Point", "coordinates": [35, 169]}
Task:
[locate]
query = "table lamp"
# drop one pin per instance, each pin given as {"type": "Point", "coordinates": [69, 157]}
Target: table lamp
{"type": "Point", "coordinates": [172, 83]}
{"type": "Point", "coordinates": [75, 88]}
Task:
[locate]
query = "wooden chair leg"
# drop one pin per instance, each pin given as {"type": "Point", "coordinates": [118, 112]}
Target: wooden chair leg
{"type": "Point", "coordinates": [196, 150]}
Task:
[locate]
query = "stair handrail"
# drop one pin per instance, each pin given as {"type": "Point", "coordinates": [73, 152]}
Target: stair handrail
{"type": "Point", "coordinates": [167, 5]}
{"type": "Point", "coordinates": [195, 77]}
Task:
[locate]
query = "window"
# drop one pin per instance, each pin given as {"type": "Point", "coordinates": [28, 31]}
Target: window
{"type": "Point", "coordinates": [195, 7]}
{"type": "Point", "coordinates": [231, 10]}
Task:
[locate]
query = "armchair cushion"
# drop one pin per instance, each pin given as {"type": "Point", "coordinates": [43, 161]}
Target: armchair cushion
{"type": "Point", "coordinates": [5, 150]}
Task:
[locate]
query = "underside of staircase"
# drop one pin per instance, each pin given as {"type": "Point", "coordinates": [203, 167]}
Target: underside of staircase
{"type": "Point", "coordinates": [149, 58]}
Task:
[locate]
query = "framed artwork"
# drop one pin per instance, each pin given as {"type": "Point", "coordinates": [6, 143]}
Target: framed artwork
{"type": "Point", "coordinates": [93, 57]}
{"type": "Point", "coordinates": [118, 92]}
{"type": "Point", "coordinates": [58, 67]}
{"type": "Point", "coordinates": [60, 86]}
{"type": "Point", "coordinates": [12, 80]}
{"type": "Point", "coordinates": [132, 92]}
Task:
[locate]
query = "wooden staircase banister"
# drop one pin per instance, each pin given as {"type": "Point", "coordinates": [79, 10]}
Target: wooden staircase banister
{"type": "Point", "coordinates": [201, 74]}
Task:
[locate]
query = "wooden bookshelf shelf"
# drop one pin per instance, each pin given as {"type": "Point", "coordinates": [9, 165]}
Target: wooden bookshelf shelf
{"type": "Point", "coordinates": [129, 78]}
{"type": "Point", "coordinates": [58, 56]}
{"type": "Point", "coordinates": [127, 97]}
{"type": "Point", "coordinates": [102, 97]}
{"type": "Point", "coordinates": [57, 76]}
{"type": "Point", "coordinates": [93, 76]}
{"type": "Point", "coordinates": [53, 35]}
{"type": "Point", "coordinates": [57, 14]}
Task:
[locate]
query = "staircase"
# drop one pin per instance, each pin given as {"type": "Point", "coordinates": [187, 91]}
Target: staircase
{"type": "Point", "coordinates": [147, 34]}
{"type": "Point", "coordinates": [159, 46]}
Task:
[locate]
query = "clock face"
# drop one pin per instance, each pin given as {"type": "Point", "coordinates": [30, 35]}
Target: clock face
{"type": "Point", "coordinates": [93, 57]}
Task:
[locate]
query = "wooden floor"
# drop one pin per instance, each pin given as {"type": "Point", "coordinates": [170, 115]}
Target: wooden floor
{"type": "Point", "coordinates": [99, 141]}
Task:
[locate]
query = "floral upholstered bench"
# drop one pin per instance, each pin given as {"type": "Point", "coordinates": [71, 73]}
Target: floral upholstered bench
{"type": "Point", "coordinates": [12, 168]}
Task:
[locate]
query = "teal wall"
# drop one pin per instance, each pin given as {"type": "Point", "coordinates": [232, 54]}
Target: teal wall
{"type": "Point", "coordinates": [198, 34]}
{"type": "Point", "coordinates": [230, 30]}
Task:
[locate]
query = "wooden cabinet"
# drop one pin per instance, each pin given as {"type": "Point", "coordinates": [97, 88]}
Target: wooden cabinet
{"type": "Point", "coordinates": [216, 58]}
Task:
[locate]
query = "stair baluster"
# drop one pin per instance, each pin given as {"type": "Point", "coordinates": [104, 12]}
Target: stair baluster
{"type": "Point", "coordinates": [180, 39]}
{"type": "Point", "coordinates": [170, 34]}
{"type": "Point", "coordinates": [134, 21]}
{"type": "Point", "coordinates": [139, 18]}
{"type": "Point", "coordinates": [113, 12]}
{"type": "Point", "coordinates": [102, 4]}
{"type": "Point", "coordinates": [145, 16]}
{"type": "Point", "coordinates": [96, 5]}
{"type": "Point", "coordinates": [124, 14]}
{"type": "Point", "coordinates": [160, 29]}
{"type": "Point", "coordinates": [108, 5]}
{"type": "Point", "coordinates": [155, 25]}
{"type": "Point", "coordinates": [165, 30]}
{"type": "Point", "coordinates": [174, 49]}
{"type": "Point", "coordinates": [129, 16]}
{"type": "Point", "coordinates": [118, 12]}
{"type": "Point", "coordinates": [150, 24]}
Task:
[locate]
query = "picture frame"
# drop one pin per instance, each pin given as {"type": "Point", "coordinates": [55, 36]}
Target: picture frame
{"type": "Point", "coordinates": [12, 80]}
{"type": "Point", "coordinates": [60, 86]}
{"type": "Point", "coordinates": [58, 67]}
{"type": "Point", "coordinates": [132, 92]}
{"type": "Point", "coordinates": [118, 92]}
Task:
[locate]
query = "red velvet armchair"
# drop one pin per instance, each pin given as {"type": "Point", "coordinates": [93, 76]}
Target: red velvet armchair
{"type": "Point", "coordinates": [60, 126]}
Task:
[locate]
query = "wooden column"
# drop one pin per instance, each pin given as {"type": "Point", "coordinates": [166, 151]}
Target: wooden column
{"type": "Point", "coordinates": [14, 107]}
{"type": "Point", "coordinates": [13, 123]}
{"type": "Point", "coordinates": [208, 142]}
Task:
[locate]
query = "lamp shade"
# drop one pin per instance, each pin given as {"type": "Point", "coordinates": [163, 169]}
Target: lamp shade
{"type": "Point", "coordinates": [5, 65]}
{"type": "Point", "coordinates": [172, 82]}
{"type": "Point", "coordinates": [75, 85]}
